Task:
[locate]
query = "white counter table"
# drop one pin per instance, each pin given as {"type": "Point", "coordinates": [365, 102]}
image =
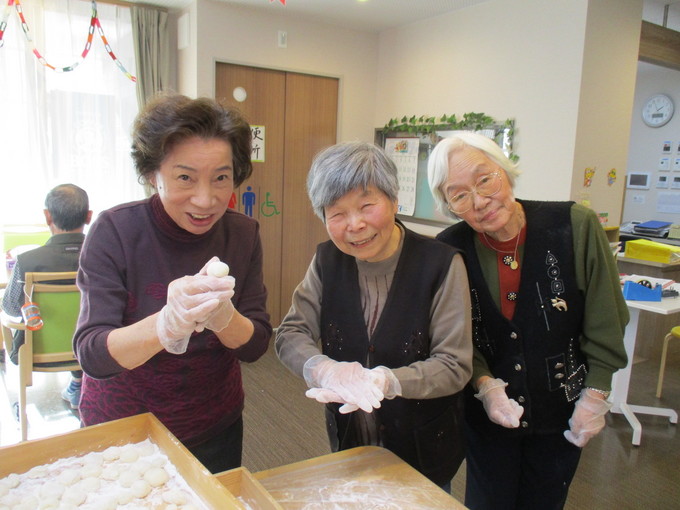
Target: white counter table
{"type": "Point", "coordinates": [621, 381]}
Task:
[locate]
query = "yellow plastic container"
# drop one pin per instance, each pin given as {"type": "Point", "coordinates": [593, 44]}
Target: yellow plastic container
{"type": "Point", "coordinates": [652, 250]}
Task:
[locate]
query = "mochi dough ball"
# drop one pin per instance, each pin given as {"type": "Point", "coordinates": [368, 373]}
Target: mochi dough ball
{"type": "Point", "coordinates": [218, 269]}
{"type": "Point", "coordinates": [68, 476]}
{"type": "Point", "coordinates": [129, 454]}
{"type": "Point", "coordinates": [74, 496]}
{"type": "Point", "coordinates": [140, 489]}
{"type": "Point", "coordinates": [111, 453]}
{"type": "Point", "coordinates": [127, 478]}
{"type": "Point", "coordinates": [156, 476]}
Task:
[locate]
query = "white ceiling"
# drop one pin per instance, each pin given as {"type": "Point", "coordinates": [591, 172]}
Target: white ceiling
{"type": "Point", "coordinates": [379, 15]}
{"type": "Point", "coordinates": [367, 15]}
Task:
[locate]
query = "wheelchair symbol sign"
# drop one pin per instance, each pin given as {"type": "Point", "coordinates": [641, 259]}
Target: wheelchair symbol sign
{"type": "Point", "coordinates": [268, 208]}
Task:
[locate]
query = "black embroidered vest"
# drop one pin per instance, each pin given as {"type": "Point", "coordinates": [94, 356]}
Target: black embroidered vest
{"type": "Point", "coordinates": [425, 433]}
{"type": "Point", "coordinates": [537, 353]}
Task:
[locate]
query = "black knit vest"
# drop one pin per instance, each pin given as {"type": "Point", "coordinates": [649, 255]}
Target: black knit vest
{"type": "Point", "coordinates": [425, 433]}
{"type": "Point", "coordinates": [537, 352]}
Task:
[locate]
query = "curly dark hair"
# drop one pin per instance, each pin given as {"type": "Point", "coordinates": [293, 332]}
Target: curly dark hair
{"type": "Point", "coordinates": [172, 118]}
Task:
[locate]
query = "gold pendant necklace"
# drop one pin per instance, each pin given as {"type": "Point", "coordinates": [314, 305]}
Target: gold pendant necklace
{"type": "Point", "coordinates": [508, 260]}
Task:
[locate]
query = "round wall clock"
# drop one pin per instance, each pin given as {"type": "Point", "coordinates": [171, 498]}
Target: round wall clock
{"type": "Point", "coordinates": [658, 110]}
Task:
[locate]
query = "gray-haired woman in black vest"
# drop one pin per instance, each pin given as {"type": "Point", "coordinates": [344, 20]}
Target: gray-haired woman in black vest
{"type": "Point", "coordinates": [380, 325]}
{"type": "Point", "coordinates": [548, 322]}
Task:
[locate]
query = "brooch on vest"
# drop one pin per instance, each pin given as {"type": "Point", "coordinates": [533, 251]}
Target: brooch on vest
{"type": "Point", "coordinates": [556, 287]}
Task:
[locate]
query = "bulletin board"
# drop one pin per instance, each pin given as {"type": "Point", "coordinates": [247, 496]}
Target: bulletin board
{"type": "Point", "coordinates": [423, 209]}
{"type": "Point", "coordinates": [420, 206]}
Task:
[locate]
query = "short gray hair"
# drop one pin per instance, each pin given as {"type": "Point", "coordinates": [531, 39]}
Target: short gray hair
{"type": "Point", "coordinates": [438, 162]}
{"type": "Point", "coordinates": [69, 206]}
{"type": "Point", "coordinates": [346, 167]}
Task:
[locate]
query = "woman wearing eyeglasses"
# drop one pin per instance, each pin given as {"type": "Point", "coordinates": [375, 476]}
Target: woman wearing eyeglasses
{"type": "Point", "coordinates": [548, 318]}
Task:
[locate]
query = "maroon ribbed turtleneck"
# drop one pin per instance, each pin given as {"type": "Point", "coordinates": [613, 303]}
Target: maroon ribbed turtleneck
{"type": "Point", "coordinates": [168, 226]}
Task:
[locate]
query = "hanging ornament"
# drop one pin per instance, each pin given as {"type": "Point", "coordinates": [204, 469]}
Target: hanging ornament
{"type": "Point", "coordinates": [94, 23]}
{"type": "Point", "coordinates": [3, 20]}
{"type": "Point", "coordinates": [588, 175]}
{"type": "Point", "coordinates": [611, 176]}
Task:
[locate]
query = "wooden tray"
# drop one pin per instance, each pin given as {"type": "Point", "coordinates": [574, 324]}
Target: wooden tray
{"type": "Point", "coordinates": [21, 457]}
{"type": "Point", "coordinates": [358, 478]}
{"type": "Point", "coordinates": [241, 483]}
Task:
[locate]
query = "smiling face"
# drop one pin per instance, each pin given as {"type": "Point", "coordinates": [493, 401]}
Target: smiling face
{"type": "Point", "coordinates": [362, 224]}
{"type": "Point", "coordinates": [493, 214]}
{"type": "Point", "coordinates": [195, 182]}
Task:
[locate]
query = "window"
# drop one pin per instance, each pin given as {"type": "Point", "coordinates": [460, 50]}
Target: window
{"type": "Point", "coordinates": [71, 126]}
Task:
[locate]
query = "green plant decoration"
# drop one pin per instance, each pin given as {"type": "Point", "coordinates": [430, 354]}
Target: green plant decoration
{"type": "Point", "coordinates": [429, 126]}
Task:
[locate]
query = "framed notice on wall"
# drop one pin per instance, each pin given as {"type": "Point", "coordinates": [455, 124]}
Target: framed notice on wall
{"type": "Point", "coordinates": [411, 153]}
{"type": "Point", "coordinates": [404, 153]}
{"type": "Point", "coordinates": [415, 200]}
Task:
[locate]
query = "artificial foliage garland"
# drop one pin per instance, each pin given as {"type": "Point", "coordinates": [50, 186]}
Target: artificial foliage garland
{"type": "Point", "coordinates": [94, 23]}
{"type": "Point", "coordinates": [429, 125]}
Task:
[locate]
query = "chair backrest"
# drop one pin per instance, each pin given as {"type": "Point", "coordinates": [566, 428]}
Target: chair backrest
{"type": "Point", "coordinates": [18, 236]}
{"type": "Point", "coordinates": [59, 300]}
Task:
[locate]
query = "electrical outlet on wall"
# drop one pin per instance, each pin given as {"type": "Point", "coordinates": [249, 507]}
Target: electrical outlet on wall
{"type": "Point", "coordinates": [283, 39]}
{"type": "Point", "coordinates": [638, 199]}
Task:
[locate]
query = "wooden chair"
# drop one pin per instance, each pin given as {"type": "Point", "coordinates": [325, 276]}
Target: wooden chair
{"type": "Point", "coordinates": [674, 333]}
{"type": "Point", "coordinates": [48, 349]}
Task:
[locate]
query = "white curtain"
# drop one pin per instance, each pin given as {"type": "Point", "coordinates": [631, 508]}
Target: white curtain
{"type": "Point", "coordinates": [58, 127]}
{"type": "Point", "coordinates": [152, 45]}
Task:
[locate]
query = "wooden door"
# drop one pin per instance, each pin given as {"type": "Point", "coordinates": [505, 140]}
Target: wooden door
{"type": "Point", "coordinates": [264, 106]}
{"type": "Point", "coordinates": [311, 120]}
{"type": "Point", "coordinates": [299, 116]}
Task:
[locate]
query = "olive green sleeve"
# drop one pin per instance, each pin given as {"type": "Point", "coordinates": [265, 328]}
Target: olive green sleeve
{"type": "Point", "coordinates": [606, 313]}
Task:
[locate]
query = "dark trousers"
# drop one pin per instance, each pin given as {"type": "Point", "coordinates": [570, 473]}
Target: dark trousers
{"type": "Point", "coordinates": [513, 473]}
{"type": "Point", "coordinates": [222, 452]}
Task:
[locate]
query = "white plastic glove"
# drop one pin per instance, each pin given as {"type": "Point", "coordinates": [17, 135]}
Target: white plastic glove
{"type": "Point", "coordinates": [500, 409]}
{"type": "Point", "coordinates": [386, 382]}
{"type": "Point", "coordinates": [588, 417]}
{"type": "Point", "coordinates": [220, 318]}
{"type": "Point", "coordinates": [343, 382]}
{"type": "Point", "coordinates": [191, 300]}
{"type": "Point", "coordinates": [222, 315]}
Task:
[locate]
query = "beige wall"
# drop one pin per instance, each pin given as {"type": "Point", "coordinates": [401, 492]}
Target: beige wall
{"type": "Point", "coordinates": [236, 35]}
{"type": "Point", "coordinates": [564, 69]}
{"type": "Point", "coordinates": [645, 142]}
{"type": "Point", "coordinates": [187, 58]}
{"type": "Point", "coordinates": [606, 104]}
{"type": "Point", "coordinates": [525, 59]}
{"type": "Point", "coordinates": [646, 145]}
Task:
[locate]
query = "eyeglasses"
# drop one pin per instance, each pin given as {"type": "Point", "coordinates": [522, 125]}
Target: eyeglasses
{"type": "Point", "coordinates": [486, 186]}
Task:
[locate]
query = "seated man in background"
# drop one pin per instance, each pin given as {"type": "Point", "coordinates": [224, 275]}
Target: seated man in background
{"type": "Point", "coordinates": [67, 211]}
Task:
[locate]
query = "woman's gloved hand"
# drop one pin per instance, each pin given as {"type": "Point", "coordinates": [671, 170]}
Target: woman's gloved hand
{"type": "Point", "coordinates": [386, 382]}
{"type": "Point", "coordinates": [587, 419]}
{"type": "Point", "coordinates": [221, 316]}
{"type": "Point", "coordinates": [343, 382]}
{"type": "Point", "coordinates": [500, 409]}
{"type": "Point", "coordinates": [191, 301]}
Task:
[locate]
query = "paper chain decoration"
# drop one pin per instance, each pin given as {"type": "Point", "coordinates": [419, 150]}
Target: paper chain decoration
{"type": "Point", "coordinates": [94, 22]}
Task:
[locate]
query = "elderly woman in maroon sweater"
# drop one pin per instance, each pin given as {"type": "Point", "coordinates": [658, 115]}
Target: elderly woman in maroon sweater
{"type": "Point", "coordinates": [156, 332]}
